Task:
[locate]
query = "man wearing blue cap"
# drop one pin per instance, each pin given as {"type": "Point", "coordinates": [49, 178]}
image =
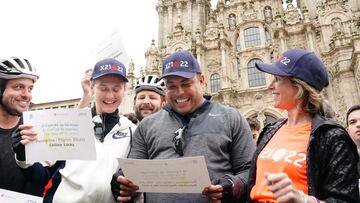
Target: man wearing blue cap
{"type": "Point", "coordinates": [88, 181]}
{"type": "Point", "coordinates": [190, 125]}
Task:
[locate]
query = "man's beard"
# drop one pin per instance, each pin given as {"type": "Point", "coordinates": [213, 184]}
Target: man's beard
{"type": "Point", "coordinates": [7, 107]}
{"type": "Point", "coordinates": [138, 114]}
{"type": "Point", "coordinates": [138, 111]}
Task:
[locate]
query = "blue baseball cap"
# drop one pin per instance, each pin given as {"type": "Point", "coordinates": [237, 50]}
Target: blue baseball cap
{"type": "Point", "coordinates": [107, 67]}
{"type": "Point", "coordinates": [300, 64]}
{"type": "Point", "coordinates": [180, 63]}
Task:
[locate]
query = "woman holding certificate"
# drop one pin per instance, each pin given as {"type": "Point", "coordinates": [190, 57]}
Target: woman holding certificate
{"type": "Point", "coordinates": [87, 181]}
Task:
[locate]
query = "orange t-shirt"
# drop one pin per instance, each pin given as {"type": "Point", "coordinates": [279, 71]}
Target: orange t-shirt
{"type": "Point", "coordinates": [284, 153]}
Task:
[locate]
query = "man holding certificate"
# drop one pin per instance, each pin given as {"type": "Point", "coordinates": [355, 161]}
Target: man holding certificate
{"type": "Point", "coordinates": [17, 78]}
{"type": "Point", "coordinates": [189, 126]}
{"type": "Point", "coordinates": [84, 180]}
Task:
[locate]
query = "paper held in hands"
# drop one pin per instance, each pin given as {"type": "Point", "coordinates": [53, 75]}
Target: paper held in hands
{"type": "Point", "coordinates": [63, 134]}
{"type": "Point", "coordinates": [182, 175]}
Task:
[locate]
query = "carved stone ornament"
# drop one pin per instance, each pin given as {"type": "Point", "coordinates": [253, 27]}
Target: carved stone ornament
{"type": "Point", "coordinates": [214, 65]}
{"type": "Point", "coordinates": [212, 31]}
{"type": "Point", "coordinates": [323, 8]}
{"type": "Point", "coordinates": [249, 13]}
{"type": "Point", "coordinates": [334, 72]}
{"type": "Point", "coordinates": [357, 77]}
{"type": "Point", "coordinates": [268, 14]}
{"type": "Point", "coordinates": [232, 21]}
{"type": "Point", "coordinates": [292, 15]}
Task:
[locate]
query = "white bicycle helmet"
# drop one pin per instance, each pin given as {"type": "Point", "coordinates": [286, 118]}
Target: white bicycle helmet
{"type": "Point", "coordinates": [150, 82]}
{"type": "Point", "coordinates": [16, 67]}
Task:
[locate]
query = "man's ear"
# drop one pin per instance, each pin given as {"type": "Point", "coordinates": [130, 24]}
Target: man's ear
{"type": "Point", "coordinates": [201, 79]}
{"type": "Point", "coordinates": [163, 102]}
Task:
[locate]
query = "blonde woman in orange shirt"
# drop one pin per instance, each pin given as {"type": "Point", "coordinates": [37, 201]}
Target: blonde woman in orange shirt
{"type": "Point", "coordinates": [305, 158]}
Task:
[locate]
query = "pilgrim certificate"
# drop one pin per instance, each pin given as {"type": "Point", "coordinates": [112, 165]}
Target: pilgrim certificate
{"type": "Point", "coordinates": [62, 134]}
{"type": "Point", "coordinates": [16, 197]}
{"type": "Point", "coordinates": [182, 175]}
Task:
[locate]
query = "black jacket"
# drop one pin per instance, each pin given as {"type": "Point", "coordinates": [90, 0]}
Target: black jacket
{"type": "Point", "coordinates": [331, 161]}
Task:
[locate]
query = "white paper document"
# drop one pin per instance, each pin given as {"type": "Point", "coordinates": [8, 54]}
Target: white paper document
{"type": "Point", "coordinates": [63, 134]}
{"type": "Point", "coordinates": [16, 197]}
{"type": "Point", "coordinates": [182, 175]}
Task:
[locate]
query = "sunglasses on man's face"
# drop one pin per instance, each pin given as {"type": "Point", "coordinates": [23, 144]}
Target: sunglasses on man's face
{"type": "Point", "coordinates": [179, 141]}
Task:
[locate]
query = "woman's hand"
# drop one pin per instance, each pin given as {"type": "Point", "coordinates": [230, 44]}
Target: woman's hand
{"type": "Point", "coordinates": [283, 188]}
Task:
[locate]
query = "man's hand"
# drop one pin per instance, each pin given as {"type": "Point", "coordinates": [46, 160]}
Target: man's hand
{"type": "Point", "coordinates": [85, 82]}
{"type": "Point", "coordinates": [23, 135]}
{"type": "Point", "coordinates": [221, 191]}
{"type": "Point", "coordinates": [86, 87]}
{"type": "Point", "coordinates": [122, 188]}
{"type": "Point", "coordinates": [213, 193]}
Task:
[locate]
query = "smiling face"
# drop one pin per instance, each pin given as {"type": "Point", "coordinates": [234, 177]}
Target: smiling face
{"type": "Point", "coordinates": [109, 92]}
{"type": "Point", "coordinates": [183, 94]}
{"type": "Point", "coordinates": [17, 96]}
{"type": "Point", "coordinates": [354, 126]}
{"type": "Point", "coordinates": [284, 93]}
{"type": "Point", "coordinates": [147, 102]}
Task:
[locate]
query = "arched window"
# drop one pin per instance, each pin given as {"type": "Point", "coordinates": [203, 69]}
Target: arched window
{"type": "Point", "coordinates": [256, 77]}
{"type": "Point", "coordinates": [238, 65]}
{"type": "Point", "coordinates": [238, 45]}
{"type": "Point", "coordinates": [268, 37]}
{"type": "Point", "coordinates": [252, 37]}
{"type": "Point", "coordinates": [215, 82]}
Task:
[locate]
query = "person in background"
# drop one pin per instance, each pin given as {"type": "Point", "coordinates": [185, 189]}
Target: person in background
{"type": "Point", "coordinates": [306, 157]}
{"type": "Point", "coordinates": [17, 78]}
{"type": "Point", "coordinates": [189, 125]}
{"type": "Point", "coordinates": [254, 127]}
{"type": "Point", "coordinates": [353, 126]}
{"type": "Point", "coordinates": [149, 96]}
{"type": "Point", "coordinates": [83, 180]}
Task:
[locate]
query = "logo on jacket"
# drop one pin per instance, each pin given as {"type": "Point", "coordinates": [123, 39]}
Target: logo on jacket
{"type": "Point", "coordinates": [120, 135]}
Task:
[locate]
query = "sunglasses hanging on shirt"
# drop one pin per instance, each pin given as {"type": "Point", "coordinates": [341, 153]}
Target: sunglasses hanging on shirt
{"type": "Point", "coordinates": [99, 127]}
{"type": "Point", "coordinates": [179, 140]}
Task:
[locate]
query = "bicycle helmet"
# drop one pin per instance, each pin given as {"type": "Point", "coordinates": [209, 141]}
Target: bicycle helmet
{"type": "Point", "coordinates": [150, 82]}
{"type": "Point", "coordinates": [16, 67]}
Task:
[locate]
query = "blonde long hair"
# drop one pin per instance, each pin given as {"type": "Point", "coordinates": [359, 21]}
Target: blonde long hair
{"type": "Point", "coordinates": [312, 100]}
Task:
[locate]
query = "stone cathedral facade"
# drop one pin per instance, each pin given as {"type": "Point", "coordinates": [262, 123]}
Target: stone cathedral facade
{"type": "Point", "coordinates": [230, 37]}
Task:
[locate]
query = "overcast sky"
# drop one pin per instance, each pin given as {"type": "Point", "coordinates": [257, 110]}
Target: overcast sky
{"type": "Point", "coordinates": [59, 37]}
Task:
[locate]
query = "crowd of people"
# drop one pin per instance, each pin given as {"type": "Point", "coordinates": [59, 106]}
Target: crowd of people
{"type": "Point", "coordinates": [306, 157]}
